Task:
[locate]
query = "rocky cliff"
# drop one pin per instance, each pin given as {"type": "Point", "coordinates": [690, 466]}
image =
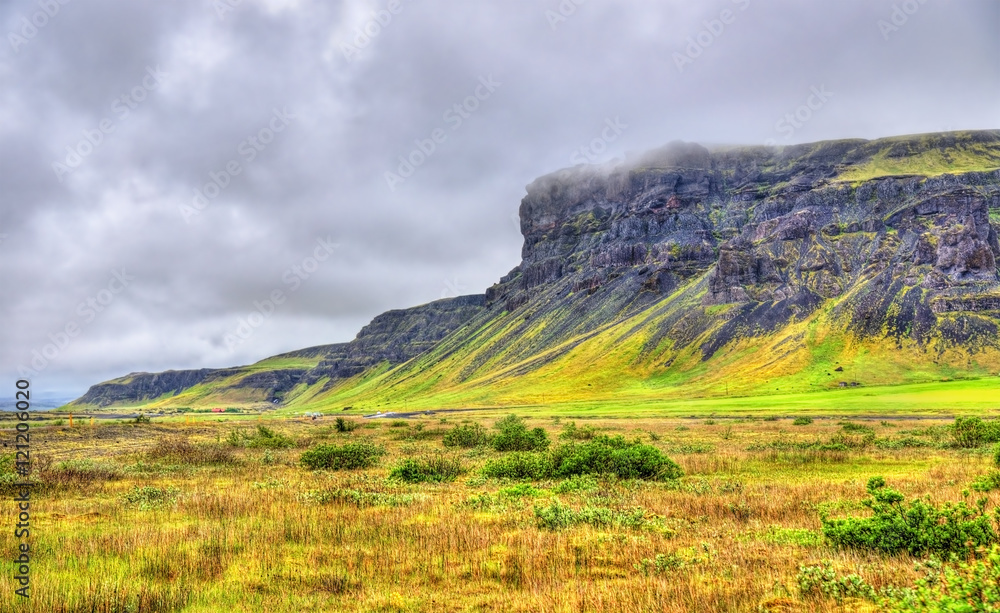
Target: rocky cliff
{"type": "Point", "coordinates": [685, 266]}
{"type": "Point", "coordinates": [391, 338]}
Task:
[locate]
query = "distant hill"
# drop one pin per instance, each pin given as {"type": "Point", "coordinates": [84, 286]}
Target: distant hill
{"type": "Point", "coordinates": [683, 272]}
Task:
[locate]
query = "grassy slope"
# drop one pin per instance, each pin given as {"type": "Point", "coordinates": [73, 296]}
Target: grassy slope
{"type": "Point", "coordinates": [963, 156]}
{"type": "Point", "coordinates": [615, 368]}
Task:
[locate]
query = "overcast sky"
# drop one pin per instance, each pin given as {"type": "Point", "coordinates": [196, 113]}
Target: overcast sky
{"type": "Point", "coordinates": [166, 165]}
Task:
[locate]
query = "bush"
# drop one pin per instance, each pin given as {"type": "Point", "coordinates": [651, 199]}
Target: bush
{"type": "Point", "coordinates": [558, 516]}
{"type": "Point", "coordinates": [434, 469]}
{"type": "Point", "coordinates": [969, 588]}
{"type": "Point", "coordinates": [853, 428]}
{"type": "Point", "coordinates": [141, 419]}
{"type": "Point", "coordinates": [357, 498]}
{"type": "Point", "coordinates": [571, 432]}
{"type": "Point", "coordinates": [472, 435]}
{"type": "Point", "coordinates": [965, 587]}
{"type": "Point", "coordinates": [513, 435]}
{"type": "Point", "coordinates": [616, 456]}
{"type": "Point", "coordinates": [148, 497]}
{"type": "Point", "coordinates": [577, 484]}
{"type": "Point", "coordinates": [181, 451]}
{"type": "Point", "coordinates": [916, 528]}
{"type": "Point", "coordinates": [345, 425]}
{"type": "Point", "coordinates": [362, 454]}
{"type": "Point", "coordinates": [987, 483]}
{"type": "Point", "coordinates": [519, 466]}
{"type": "Point", "coordinates": [802, 421]}
{"type": "Point", "coordinates": [996, 456]}
{"type": "Point", "coordinates": [823, 581]}
{"type": "Point", "coordinates": [263, 438]}
{"type": "Point", "coordinates": [972, 432]}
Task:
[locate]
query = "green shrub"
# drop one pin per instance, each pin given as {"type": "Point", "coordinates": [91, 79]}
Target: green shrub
{"type": "Point", "coordinates": [361, 454]}
{"type": "Point", "coordinates": [916, 528]}
{"type": "Point", "coordinates": [665, 563]}
{"type": "Point", "coordinates": [576, 484]}
{"type": "Point", "coordinates": [433, 469]}
{"type": "Point", "coordinates": [967, 588]}
{"type": "Point", "coordinates": [142, 419]}
{"type": "Point", "coordinates": [148, 497]}
{"type": "Point", "coordinates": [261, 438]}
{"type": "Point", "coordinates": [466, 436]}
{"type": "Point", "coordinates": [519, 466]}
{"type": "Point", "coordinates": [342, 424]}
{"type": "Point", "coordinates": [521, 490]}
{"type": "Point", "coordinates": [996, 456]}
{"type": "Point", "coordinates": [558, 516]}
{"type": "Point", "coordinates": [986, 483]}
{"type": "Point", "coordinates": [357, 498]}
{"type": "Point", "coordinates": [802, 421]}
{"type": "Point", "coordinates": [513, 435]}
{"type": "Point", "coordinates": [571, 432]}
{"type": "Point", "coordinates": [972, 432]}
{"type": "Point", "coordinates": [616, 456]}
{"type": "Point", "coordinates": [823, 581]}
{"type": "Point", "coordinates": [853, 428]}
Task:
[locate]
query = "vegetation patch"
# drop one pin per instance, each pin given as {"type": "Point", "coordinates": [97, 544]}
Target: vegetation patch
{"type": "Point", "coordinates": [558, 516]}
{"type": "Point", "coordinates": [514, 435]}
{"type": "Point", "coordinates": [431, 469]}
{"type": "Point", "coordinates": [361, 454]}
{"type": "Point", "coordinates": [149, 497]}
{"type": "Point", "coordinates": [972, 432]}
{"type": "Point", "coordinates": [344, 425]}
{"type": "Point", "coordinates": [261, 438]}
{"type": "Point", "coordinates": [179, 450]}
{"type": "Point", "coordinates": [918, 527]}
{"type": "Point", "coordinates": [358, 498]}
{"type": "Point", "coordinates": [664, 563]}
{"type": "Point", "coordinates": [466, 436]}
{"type": "Point", "coordinates": [616, 456]}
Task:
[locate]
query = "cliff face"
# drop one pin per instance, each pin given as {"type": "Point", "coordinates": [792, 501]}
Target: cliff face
{"type": "Point", "coordinates": [776, 234]}
{"type": "Point", "coordinates": [686, 254]}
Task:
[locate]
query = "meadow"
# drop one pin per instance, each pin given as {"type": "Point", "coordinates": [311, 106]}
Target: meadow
{"type": "Point", "coordinates": [264, 513]}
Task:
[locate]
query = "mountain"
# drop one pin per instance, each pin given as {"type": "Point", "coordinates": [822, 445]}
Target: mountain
{"type": "Point", "coordinates": [683, 272]}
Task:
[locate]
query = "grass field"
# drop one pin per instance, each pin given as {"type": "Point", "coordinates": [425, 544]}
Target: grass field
{"type": "Point", "coordinates": [208, 514]}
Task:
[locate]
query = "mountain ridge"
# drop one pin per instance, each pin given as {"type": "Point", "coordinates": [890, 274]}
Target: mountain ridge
{"type": "Point", "coordinates": [675, 272]}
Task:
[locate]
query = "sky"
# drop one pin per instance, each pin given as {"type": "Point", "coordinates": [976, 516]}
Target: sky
{"type": "Point", "coordinates": [206, 183]}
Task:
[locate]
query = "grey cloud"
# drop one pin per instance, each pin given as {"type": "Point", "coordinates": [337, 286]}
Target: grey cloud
{"type": "Point", "coordinates": [447, 226]}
